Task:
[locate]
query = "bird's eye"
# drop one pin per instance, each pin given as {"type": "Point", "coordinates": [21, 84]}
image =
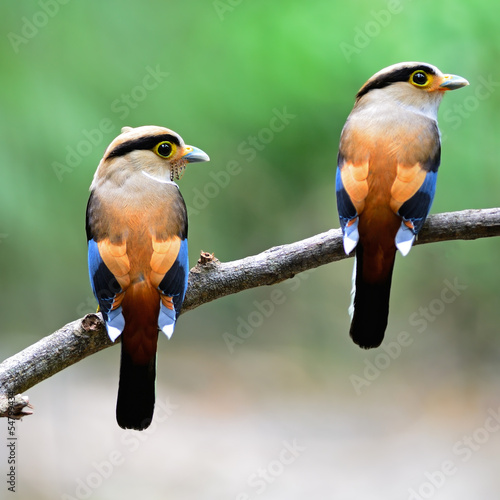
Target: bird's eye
{"type": "Point", "coordinates": [419, 78]}
{"type": "Point", "coordinates": [165, 149]}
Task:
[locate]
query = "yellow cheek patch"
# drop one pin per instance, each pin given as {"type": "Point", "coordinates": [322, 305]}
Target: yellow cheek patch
{"type": "Point", "coordinates": [354, 178]}
{"type": "Point", "coordinates": [164, 254]}
{"type": "Point", "coordinates": [116, 259]}
{"type": "Point", "coordinates": [408, 181]}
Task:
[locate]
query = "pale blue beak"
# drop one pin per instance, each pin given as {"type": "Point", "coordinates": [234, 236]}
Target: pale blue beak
{"type": "Point", "coordinates": [452, 82]}
{"type": "Point", "coordinates": [194, 155]}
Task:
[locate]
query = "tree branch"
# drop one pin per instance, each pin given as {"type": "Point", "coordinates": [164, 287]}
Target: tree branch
{"type": "Point", "coordinates": [210, 280]}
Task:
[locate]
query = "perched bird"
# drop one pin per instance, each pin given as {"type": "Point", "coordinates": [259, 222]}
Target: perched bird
{"type": "Point", "coordinates": [387, 166]}
{"type": "Point", "coordinates": [138, 254]}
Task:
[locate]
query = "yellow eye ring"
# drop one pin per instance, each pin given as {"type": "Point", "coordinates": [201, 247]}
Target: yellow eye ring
{"type": "Point", "coordinates": [420, 79]}
{"type": "Point", "coordinates": [165, 149]}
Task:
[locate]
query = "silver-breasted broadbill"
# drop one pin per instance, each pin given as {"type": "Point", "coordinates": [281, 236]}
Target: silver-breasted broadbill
{"type": "Point", "coordinates": [387, 166]}
{"type": "Point", "coordinates": [138, 255]}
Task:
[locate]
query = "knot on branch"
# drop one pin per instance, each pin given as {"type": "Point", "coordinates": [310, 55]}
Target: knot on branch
{"type": "Point", "coordinates": [92, 323]}
{"type": "Point", "coordinates": [15, 407]}
{"type": "Point", "coordinates": [206, 262]}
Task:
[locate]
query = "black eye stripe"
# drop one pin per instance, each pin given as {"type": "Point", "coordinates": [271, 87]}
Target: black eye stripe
{"type": "Point", "coordinates": [146, 142]}
{"type": "Point", "coordinates": [398, 75]}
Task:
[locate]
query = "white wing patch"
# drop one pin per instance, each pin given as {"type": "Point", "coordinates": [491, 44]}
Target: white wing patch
{"type": "Point", "coordinates": [115, 323]}
{"type": "Point", "coordinates": [404, 239]}
{"type": "Point", "coordinates": [351, 236]}
{"type": "Point", "coordinates": [166, 320]}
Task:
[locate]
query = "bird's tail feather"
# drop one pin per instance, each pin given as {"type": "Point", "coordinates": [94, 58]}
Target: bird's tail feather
{"type": "Point", "coordinates": [136, 391]}
{"type": "Point", "coordinates": [371, 303]}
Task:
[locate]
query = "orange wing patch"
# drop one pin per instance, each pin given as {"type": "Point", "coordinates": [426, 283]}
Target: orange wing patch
{"type": "Point", "coordinates": [116, 259]}
{"type": "Point", "coordinates": [118, 300]}
{"type": "Point", "coordinates": [408, 181]}
{"type": "Point", "coordinates": [167, 302]}
{"type": "Point", "coordinates": [164, 255]}
{"type": "Point", "coordinates": [355, 181]}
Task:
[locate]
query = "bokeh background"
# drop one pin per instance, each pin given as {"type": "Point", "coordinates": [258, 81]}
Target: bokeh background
{"type": "Point", "coordinates": [295, 410]}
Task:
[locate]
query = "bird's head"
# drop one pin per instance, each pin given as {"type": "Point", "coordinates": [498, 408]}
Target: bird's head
{"type": "Point", "coordinates": [157, 152]}
{"type": "Point", "coordinates": [414, 84]}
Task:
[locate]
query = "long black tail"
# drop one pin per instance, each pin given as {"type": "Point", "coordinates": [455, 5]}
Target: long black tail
{"type": "Point", "coordinates": [136, 393]}
{"type": "Point", "coordinates": [371, 302]}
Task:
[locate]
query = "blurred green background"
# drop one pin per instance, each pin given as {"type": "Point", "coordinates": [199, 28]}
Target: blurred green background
{"type": "Point", "coordinates": [376, 424]}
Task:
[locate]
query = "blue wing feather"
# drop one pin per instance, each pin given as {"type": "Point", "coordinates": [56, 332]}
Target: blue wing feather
{"type": "Point", "coordinates": [417, 208]}
{"type": "Point", "coordinates": [105, 288]}
{"type": "Point", "coordinates": [347, 213]}
{"type": "Point", "coordinates": [345, 207]}
{"type": "Point", "coordinates": [104, 284]}
{"type": "Point", "coordinates": [174, 284]}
